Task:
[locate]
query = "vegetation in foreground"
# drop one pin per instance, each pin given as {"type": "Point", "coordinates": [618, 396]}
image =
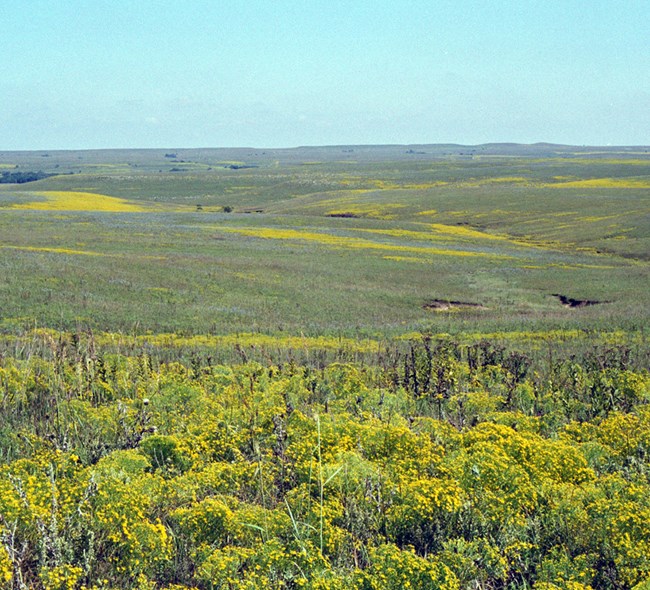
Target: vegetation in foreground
{"type": "Point", "coordinates": [232, 369]}
{"type": "Point", "coordinates": [439, 465]}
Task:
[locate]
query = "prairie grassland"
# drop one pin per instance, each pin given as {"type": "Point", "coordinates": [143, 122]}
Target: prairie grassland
{"type": "Point", "coordinates": [445, 465]}
{"type": "Point", "coordinates": [246, 340]}
{"type": "Point", "coordinates": [54, 250]}
{"type": "Point", "coordinates": [445, 386]}
{"type": "Point", "coordinates": [77, 201]}
{"type": "Point", "coordinates": [463, 232]}
{"type": "Point", "coordinates": [604, 183]}
{"type": "Point", "coordinates": [620, 161]}
{"type": "Point", "coordinates": [486, 228]}
{"type": "Point", "coordinates": [219, 273]}
{"type": "Point", "coordinates": [349, 242]}
{"type": "Point", "coordinates": [407, 259]}
{"type": "Point", "coordinates": [316, 350]}
{"type": "Point", "coordinates": [385, 211]}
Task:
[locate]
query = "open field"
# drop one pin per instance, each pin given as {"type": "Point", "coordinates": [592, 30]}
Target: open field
{"type": "Point", "coordinates": [344, 368]}
{"type": "Point", "coordinates": [341, 240]}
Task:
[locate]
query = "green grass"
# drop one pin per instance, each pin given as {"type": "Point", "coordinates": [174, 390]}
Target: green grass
{"type": "Point", "coordinates": [362, 376]}
{"type": "Point", "coordinates": [494, 228]}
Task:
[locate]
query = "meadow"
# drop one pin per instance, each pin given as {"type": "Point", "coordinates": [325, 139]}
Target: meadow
{"type": "Point", "coordinates": [338, 241]}
{"type": "Point", "coordinates": [365, 367]}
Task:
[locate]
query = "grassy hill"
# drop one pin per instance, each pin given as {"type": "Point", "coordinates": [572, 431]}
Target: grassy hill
{"type": "Point", "coordinates": [351, 367]}
{"type": "Point", "coordinates": [350, 240]}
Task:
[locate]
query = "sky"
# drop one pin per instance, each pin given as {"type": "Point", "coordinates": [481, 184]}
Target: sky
{"type": "Point", "coordinates": [83, 74]}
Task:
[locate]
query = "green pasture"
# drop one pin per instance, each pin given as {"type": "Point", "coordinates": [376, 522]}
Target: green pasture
{"type": "Point", "coordinates": [343, 367]}
{"type": "Point", "coordinates": [370, 241]}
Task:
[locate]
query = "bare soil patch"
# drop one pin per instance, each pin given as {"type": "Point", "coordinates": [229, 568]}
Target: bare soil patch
{"type": "Point", "coordinates": [449, 304]}
{"type": "Point", "coordinates": [573, 303]}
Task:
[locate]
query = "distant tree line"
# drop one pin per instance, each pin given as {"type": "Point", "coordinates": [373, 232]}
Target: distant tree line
{"type": "Point", "coordinates": [22, 177]}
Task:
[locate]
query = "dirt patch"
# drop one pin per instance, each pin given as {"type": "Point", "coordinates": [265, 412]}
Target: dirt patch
{"type": "Point", "coordinates": [448, 304]}
{"type": "Point", "coordinates": [573, 303]}
{"type": "Point", "coordinates": [346, 215]}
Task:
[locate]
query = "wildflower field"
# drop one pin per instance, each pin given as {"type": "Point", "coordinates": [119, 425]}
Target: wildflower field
{"type": "Point", "coordinates": [354, 368]}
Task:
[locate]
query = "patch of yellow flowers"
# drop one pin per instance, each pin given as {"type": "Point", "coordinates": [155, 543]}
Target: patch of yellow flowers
{"type": "Point", "coordinates": [77, 201]}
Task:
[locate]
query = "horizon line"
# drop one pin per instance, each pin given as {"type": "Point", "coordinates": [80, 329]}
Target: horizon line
{"type": "Point", "coordinates": [335, 145]}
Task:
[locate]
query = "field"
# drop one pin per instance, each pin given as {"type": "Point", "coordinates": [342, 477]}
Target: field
{"type": "Point", "coordinates": [336, 241]}
{"type": "Point", "coordinates": [342, 367]}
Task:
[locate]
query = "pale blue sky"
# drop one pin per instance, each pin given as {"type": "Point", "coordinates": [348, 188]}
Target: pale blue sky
{"type": "Point", "coordinates": [279, 73]}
